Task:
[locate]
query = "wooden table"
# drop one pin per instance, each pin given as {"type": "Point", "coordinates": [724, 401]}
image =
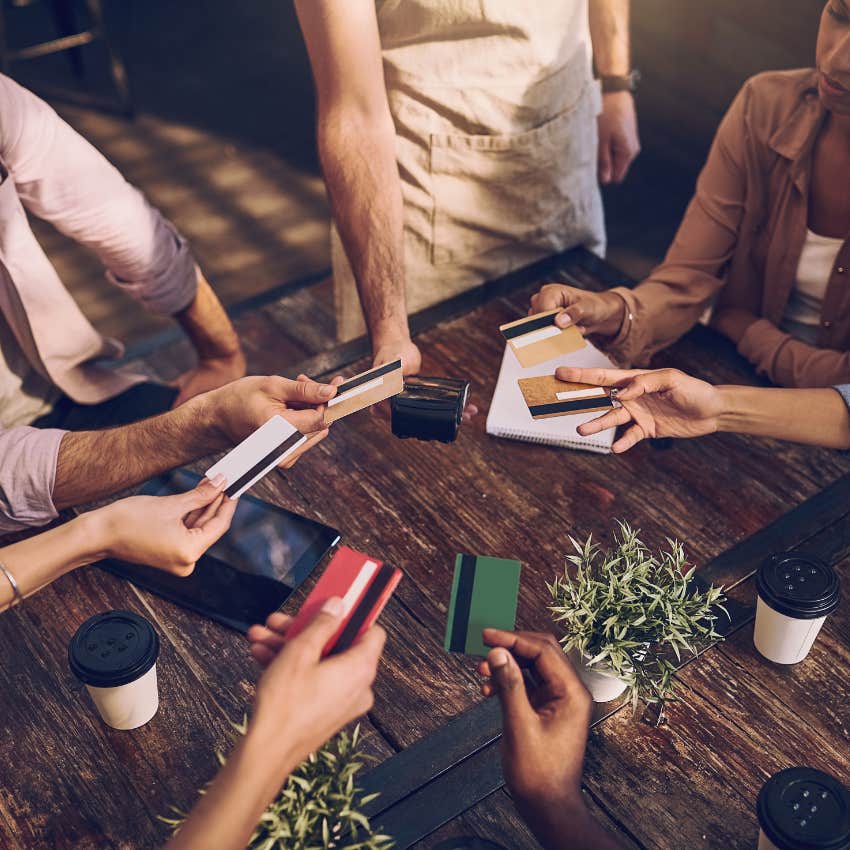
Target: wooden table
{"type": "Point", "coordinates": [70, 782]}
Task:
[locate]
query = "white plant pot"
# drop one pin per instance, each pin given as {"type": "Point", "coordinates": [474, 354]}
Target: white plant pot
{"type": "Point", "coordinates": [603, 686]}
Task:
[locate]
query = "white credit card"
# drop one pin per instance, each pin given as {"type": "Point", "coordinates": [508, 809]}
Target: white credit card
{"type": "Point", "coordinates": [257, 455]}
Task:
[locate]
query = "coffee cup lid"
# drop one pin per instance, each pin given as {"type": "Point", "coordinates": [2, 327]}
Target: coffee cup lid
{"type": "Point", "coordinates": [805, 809]}
{"type": "Point", "coordinates": [112, 649]}
{"type": "Point", "coordinates": [798, 586]}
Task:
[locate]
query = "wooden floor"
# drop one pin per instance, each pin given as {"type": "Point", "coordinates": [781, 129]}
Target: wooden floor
{"type": "Point", "coordinates": [68, 782]}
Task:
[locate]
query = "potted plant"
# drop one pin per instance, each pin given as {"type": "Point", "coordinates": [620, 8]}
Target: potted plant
{"type": "Point", "coordinates": [320, 805]}
{"type": "Point", "coordinates": [624, 609]}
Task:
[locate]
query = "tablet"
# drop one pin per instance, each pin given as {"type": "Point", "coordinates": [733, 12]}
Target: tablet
{"type": "Point", "coordinates": [246, 575]}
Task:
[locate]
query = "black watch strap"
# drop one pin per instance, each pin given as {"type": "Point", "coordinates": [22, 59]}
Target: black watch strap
{"type": "Point", "coordinates": [613, 82]}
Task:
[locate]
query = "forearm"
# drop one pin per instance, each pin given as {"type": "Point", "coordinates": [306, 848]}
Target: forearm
{"type": "Point", "coordinates": [208, 326]}
{"type": "Point", "coordinates": [226, 815]}
{"type": "Point", "coordinates": [94, 464]}
{"type": "Point", "coordinates": [812, 416]}
{"type": "Point", "coordinates": [358, 159]}
{"type": "Point", "coordinates": [566, 826]}
{"type": "Point", "coordinates": [41, 559]}
{"type": "Point", "coordinates": [609, 33]}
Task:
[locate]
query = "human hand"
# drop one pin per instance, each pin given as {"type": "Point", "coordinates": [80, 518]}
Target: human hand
{"type": "Point", "coordinates": [166, 532]}
{"type": "Point", "coordinates": [390, 348]}
{"type": "Point", "coordinates": [618, 136]}
{"type": "Point", "coordinates": [238, 409]}
{"type": "Point", "coordinates": [331, 692]}
{"type": "Point", "coordinates": [657, 403]}
{"type": "Point", "coordinates": [210, 374]}
{"type": "Point", "coordinates": [598, 313]}
{"type": "Point", "coordinates": [733, 322]}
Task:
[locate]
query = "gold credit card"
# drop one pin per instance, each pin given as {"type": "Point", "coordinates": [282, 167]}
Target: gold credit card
{"type": "Point", "coordinates": [365, 389]}
{"type": "Point", "coordinates": [537, 338]}
{"type": "Point", "coordinates": [546, 397]}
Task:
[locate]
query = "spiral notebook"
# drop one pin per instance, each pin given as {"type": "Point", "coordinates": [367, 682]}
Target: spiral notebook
{"type": "Point", "coordinates": [509, 416]}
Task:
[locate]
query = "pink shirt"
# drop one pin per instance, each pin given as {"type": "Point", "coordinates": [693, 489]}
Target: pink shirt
{"type": "Point", "coordinates": [50, 171]}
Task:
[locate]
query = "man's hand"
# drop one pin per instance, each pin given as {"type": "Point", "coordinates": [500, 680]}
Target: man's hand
{"type": "Point", "coordinates": [733, 322]}
{"type": "Point", "coordinates": [210, 374]}
{"type": "Point", "coordinates": [593, 313]}
{"type": "Point", "coordinates": [388, 349]}
{"type": "Point", "coordinates": [618, 136]}
{"type": "Point", "coordinates": [166, 532]}
{"type": "Point", "coordinates": [658, 403]}
{"type": "Point", "coordinates": [545, 718]}
{"type": "Point", "coordinates": [241, 407]}
{"type": "Point", "coordinates": [331, 692]}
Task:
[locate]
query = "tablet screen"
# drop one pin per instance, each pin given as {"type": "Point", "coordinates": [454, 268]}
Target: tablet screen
{"type": "Point", "coordinates": [250, 572]}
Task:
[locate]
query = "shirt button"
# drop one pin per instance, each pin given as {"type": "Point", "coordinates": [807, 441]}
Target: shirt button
{"type": "Point", "coordinates": [840, 270]}
{"type": "Point", "coordinates": [826, 323]}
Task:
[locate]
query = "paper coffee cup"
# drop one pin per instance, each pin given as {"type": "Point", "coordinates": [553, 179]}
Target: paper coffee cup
{"type": "Point", "coordinates": [114, 654]}
{"type": "Point", "coordinates": [795, 595]}
{"type": "Point", "coordinates": [803, 809]}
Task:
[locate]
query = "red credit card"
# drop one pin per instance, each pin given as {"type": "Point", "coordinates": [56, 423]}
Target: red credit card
{"type": "Point", "coordinates": [364, 584]}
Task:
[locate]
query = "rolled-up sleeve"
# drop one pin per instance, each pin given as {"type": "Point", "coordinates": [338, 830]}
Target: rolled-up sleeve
{"type": "Point", "coordinates": [27, 473]}
{"type": "Point", "coordinates": [62, 178]}
{"type": "Point", "coordinates": [844, 391]}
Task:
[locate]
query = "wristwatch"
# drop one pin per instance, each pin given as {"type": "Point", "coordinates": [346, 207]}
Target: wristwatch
{"type": "Point", "coordinates": [613, 82]}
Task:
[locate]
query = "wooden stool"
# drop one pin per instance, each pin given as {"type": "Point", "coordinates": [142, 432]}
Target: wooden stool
{"type": "Point", "coordinates": [71, 39]}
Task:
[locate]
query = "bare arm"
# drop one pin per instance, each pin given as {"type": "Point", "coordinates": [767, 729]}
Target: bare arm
{"type": "Point", "coordinates": [356, 140]}
{"type": "Point", "coordinates": [609, 33]}
{"type": "Point", "coordinates": [94, 464]}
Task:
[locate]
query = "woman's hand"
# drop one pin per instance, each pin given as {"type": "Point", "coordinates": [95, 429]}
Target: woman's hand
{"type": "Point", "coordinates": [659, 403]}
{"type": "Point", "coordinates": [302, 698]}
{"type": "Point", "coordinates": [599, 313]}
{"type": "Point", "coordinates": [166, 532]}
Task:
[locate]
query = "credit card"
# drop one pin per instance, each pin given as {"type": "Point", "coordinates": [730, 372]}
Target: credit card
{"type": "Point", "coordinates": [484, 596]}
{"type": "Point", "coordinates": [536, 339]}
{"type": "Point", "coordinates": [257, 455]}
{"type": "Point", "coordinates": [364, 584]}
{"type": "Point", "coordinates": [546, 397]}
{"type": "Point", "coordinates": [365, 389]}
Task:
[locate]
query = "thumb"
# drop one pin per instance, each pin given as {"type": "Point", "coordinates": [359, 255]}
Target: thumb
{"type": "Point", "coordinates": [322, 627]}
{"type": "Point", "coordinates": [204, 494]}
{"type": "Point", "coordinates": [510, 687]}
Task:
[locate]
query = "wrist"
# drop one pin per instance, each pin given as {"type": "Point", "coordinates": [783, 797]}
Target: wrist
{"type": "Point", "coordinates": [733, 412]}
{"type": "Point", "coordinates": [205, 418]}
{"type": "Point", "coordinates": [614, 312]}
{"type": "Point", "coordinates": [95, 532]}
{"type": "Point", "coordinates": [390, 332]}
{"type": "Point", "coordinates": [551, 818]}
{"type": "Point", "coordinates": [272, 747]}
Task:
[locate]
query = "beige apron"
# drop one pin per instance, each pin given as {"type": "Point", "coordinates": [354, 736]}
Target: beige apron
{"type": "Point", "coordinates": [495, 110]}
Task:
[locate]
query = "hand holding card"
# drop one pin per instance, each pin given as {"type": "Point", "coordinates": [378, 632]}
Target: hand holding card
{"type": "Point", "coordinates": [537, 338]}
{"type": "Point", "coordinates": [364, 584]}
{"type": "Point", "coordinates": [257, 455]}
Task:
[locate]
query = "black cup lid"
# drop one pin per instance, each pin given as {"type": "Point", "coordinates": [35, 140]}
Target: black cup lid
{"type": "Point", "coordinates": [112, 649]}
{"type": "Point", "coordinates": [798, 586]}
{"type": "Point", "coordinates": [805, 809]}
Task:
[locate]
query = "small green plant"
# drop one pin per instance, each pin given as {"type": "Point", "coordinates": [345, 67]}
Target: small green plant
{"type": "Point", "coordinates": [625, 608]}
{"type": "Point", "coordinates": [320, 806]}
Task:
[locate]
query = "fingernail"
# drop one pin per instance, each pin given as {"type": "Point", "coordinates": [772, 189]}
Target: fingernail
{"type": "Point", "coordinates": [498, 658]}
{"type": "Point", "coordinates": [326, 392]}
{"type": "Point", "coordinates": [218, 481]}
{"type": "Point", "coordinates": [562, 320]}
{"type": "Point", "coordinates": [332, 606]}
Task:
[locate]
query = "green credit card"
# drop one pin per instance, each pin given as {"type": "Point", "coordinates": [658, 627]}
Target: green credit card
{"type": "Point", "coordinates": [484, 595]}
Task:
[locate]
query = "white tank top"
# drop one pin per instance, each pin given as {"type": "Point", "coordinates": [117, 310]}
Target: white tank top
{"type": "Point", "coordinates": [803, 313]}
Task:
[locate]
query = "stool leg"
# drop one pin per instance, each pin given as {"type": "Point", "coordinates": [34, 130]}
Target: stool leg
{"type": "Point", "coordinates": [66, 24]}
{"type": "Point", "coordinates": [116, 62]}
{"type": "Point", "coordinates": [4, 51]}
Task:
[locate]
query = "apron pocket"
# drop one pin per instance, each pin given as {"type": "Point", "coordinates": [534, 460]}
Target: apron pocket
{"type": "Point", "coordinates": [491, 191]}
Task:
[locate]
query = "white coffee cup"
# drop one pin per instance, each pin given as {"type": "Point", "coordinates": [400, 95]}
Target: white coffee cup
{"type": "Point", "coordinates": [114, 654]}
{"type": "Point", "coordinates": [801, 807]}
{"type": "Point", "coordinates": [795, 595]}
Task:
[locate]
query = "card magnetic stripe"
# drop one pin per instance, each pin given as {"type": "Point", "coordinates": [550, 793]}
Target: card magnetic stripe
{"type": "Point", "coordinates": [356, 381]}
{"type": "Point", "coordinates": [365, 608]}
{"type": "Point", "coordinates": [567, 406]}
{"type": "Point", "coordinates": [463, 603]}
{"type": "Point", "coordinates": [529, 326]}
{"type": "Point", "coordinates": [260, 465]}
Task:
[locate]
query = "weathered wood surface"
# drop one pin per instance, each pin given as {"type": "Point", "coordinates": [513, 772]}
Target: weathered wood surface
{"type": "Point", "coordinates": [67, 781]}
